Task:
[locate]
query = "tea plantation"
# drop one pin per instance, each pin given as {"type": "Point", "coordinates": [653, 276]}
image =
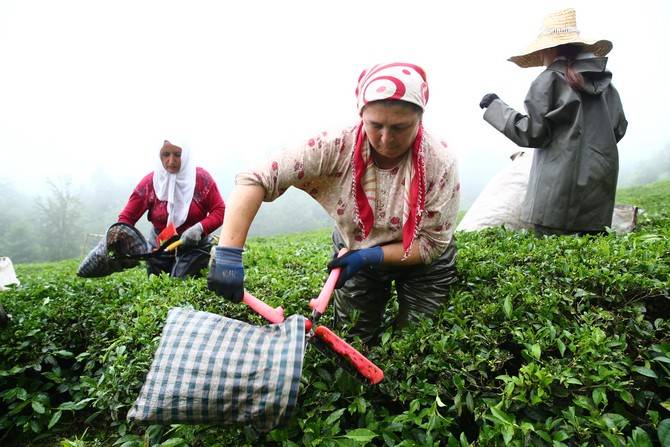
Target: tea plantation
{"type": "Point", "coordinates": [552, 342]}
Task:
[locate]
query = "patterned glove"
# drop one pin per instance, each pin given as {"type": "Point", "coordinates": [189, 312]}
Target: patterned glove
{"type": "Point", "coordinates": [352, 261]}
{"type": "Point", "coordinates": [487, 100]}
{"type": "Point", "coordinates": [226, 276]}
{"type": "Point", "coordinates": [192, 235]}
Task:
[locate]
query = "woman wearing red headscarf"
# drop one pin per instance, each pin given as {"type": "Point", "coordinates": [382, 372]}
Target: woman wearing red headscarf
{"type": "Point", "coordinates": [391, 188]}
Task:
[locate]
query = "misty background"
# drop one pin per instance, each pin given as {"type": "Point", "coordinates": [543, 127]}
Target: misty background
{"type": "Point", "coordinates": [89, 90]}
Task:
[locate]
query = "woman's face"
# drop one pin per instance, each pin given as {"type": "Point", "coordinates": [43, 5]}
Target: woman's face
{"type": "Point", "coordinates": [391, 129]}
{"type": "Point", "coordinates": [171, 157]}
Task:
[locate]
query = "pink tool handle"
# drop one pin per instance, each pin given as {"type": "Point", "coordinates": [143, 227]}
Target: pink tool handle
{"type": "Point", "coordinates": [320, 303]}
{"type": "Point", "coordinates": [361, 363]}
{"type": "Point", "coordinates": [264, 310]}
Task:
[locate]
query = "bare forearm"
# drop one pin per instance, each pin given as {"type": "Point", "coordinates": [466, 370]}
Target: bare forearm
{"type": "Point", "coordinates": [241, 208]}
{"type": "Point", "coordinates": [393, 254]}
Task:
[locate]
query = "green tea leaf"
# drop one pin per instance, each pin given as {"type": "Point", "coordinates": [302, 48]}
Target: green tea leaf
{"type": "Point", "coordinates": [561, 346]}
{"type": "Point", "coordinates": [645, 371]}
{"type": "Point", "coordinates": [501, 415]}
{"type": "Point", "coordinates": [641, 438]}
{"type": "Point", "coordinates": [663, 431]}
{"type": "Point", "coordinates": [361, 435]}
{"type": "Point", "coordinates": [173, 442]}
{"type": "Point", "coordinates": [508, 433]}
{"type": "Point", "coordinates": [507, 307]}
{"type": "Point", "coordinates": [54, 419]}
{"type": "Point", "coordinates": [334, 416]}
{"type": "Point", "coordinates": [38, 407]}
{"type": "Point", "coordinates": [536, 351]}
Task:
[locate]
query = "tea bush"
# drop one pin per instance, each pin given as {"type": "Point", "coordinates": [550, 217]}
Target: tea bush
{"type": "Point", "coordinates": [557, 342]}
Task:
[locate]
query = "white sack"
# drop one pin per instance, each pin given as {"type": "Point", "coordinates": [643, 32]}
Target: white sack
{"type": "Point", "coordinates": [500, 201]}
{"type": "Point", "coordinates": [7, 273]}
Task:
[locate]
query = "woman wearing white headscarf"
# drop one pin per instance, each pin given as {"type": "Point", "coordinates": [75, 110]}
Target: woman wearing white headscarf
{"type": "Point", "coordinates": [184, 195]}
{"type": "Point", "coordinates": [391, 188]}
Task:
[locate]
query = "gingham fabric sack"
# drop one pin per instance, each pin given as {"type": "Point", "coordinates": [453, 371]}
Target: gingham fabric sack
{"type": "Point", "coordinates": [213, 369]}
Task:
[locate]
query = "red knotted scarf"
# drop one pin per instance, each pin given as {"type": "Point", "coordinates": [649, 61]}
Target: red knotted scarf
{"type": "Point", "coordinates": [415, 191]}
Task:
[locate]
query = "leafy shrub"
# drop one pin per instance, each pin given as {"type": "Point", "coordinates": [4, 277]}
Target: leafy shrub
{"type": "Point", "coordinates": [559, 341]}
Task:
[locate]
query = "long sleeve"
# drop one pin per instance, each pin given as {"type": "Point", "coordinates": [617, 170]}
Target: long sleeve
{"type": "Point", "coordinates": [316, 159]}
{"type": "Point", "coordinates": [215, 207]}
{"type": "Point", "coordinates": [533, 129]}
{"type": "Point", "coordinates": [138, 203]}
{"type": "Point", "coordinates": [442, 203]}
{"type": "Point", "coordinates": [617, 117]}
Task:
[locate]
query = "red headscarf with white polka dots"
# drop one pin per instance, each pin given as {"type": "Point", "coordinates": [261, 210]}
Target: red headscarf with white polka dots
{"type": "Point", "coordinates": [402, 82]}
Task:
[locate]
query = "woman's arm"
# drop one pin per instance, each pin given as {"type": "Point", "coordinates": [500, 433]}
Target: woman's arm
{"type": "Point", "coordinates": [393, 254]}
{"type": "Point", "coordinates": [243, 204]}
{"type": "Point", "coordinates": [214, 206]}
{"type": "Point", "coordinates": [619, 122]}
{"type": "Point", "coordinates": [439, 220]}
{"type": "Point", "coordinates": [298, 166]}
{"type": "Point", "coordinates": [531, 130]}
{"type": "Point", "coordinates": [137, 204]}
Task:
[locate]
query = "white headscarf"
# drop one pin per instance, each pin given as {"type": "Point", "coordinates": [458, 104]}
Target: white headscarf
{"type": "Point", "coordinates": [177, 189]}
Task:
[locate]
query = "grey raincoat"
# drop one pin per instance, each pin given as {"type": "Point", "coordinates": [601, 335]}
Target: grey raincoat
{"type": "Point", "coordinates": [575, 167]}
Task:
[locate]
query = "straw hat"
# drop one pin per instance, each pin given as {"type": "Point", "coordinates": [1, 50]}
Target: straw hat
{"type": "Point", "coordinates": [559, 28]}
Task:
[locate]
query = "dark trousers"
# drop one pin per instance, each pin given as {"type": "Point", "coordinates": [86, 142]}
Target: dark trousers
{"type": "Point", "coordinates": [183, 262]}
{"type": "Point", "coordinates": [421, 289]}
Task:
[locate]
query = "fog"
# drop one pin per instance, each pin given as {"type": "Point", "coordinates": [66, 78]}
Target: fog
{"type": "Point", "coordinates": [89, 89]}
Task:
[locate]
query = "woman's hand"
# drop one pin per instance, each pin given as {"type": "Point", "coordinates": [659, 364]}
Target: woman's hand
{"type": "Point", "coordinates": [226, 276]}
{"type": "Point", "coordinates": [352, 261]}
{"type": "Point", "coordinates": [192, 235]}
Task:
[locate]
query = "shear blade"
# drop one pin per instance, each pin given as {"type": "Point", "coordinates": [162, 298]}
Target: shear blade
{"type": "Point", "coordinates": [325, 349]}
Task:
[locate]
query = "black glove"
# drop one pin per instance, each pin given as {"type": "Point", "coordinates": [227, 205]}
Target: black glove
{"type": "Point", "coordinates": [487, 100]}
{"type": "Point", "coordinates": [352, 261]}
{"type": "Point", "coordinates": [226, 276]}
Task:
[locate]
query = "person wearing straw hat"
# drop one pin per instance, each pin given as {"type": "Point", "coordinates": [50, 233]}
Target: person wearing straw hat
{"type": "Point", "coordinates": [392, 189]}
{"type": "Point", "coordinates": [574, 120]}
{"type": "Point", "coordinates": [184, 195]}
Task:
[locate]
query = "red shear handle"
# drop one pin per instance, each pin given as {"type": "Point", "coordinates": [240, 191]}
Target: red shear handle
{"type": "Point", "coordinates": [364, 366]}
{"type": "Point", "coordinates": [168, 232]}
{"type": "Point", "coordinates": [272, 315]}
{"type": "Point", "coordinates": [320, 303]}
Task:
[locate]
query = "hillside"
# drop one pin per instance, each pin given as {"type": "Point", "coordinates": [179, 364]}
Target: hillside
{"type": "Point", "coordinates": [556, 342]}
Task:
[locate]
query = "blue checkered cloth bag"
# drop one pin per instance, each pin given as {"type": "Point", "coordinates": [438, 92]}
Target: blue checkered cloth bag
{"type": "Point", "coordinates": [213, 369]}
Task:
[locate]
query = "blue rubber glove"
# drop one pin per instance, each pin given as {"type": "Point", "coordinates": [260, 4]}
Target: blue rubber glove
{"type": "Point", "coordinates": [352, 261]}
{"type": "Point", "coordinates": [226, 276]}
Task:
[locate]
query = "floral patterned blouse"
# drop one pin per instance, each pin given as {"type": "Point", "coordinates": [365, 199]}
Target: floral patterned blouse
{"type": "Point", "coordinates": [323, 168]}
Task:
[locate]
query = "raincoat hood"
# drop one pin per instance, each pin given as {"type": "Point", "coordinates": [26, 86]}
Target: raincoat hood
{"type": "Point", "coordinates": [596, 78]}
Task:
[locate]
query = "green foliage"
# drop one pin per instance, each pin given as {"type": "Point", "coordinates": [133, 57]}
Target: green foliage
{"type": "Point", "coordinates": [559, 341]}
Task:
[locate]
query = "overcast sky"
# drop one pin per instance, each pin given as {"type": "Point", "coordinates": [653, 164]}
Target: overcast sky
{"type": "Point", "coordinates": [94, 86]}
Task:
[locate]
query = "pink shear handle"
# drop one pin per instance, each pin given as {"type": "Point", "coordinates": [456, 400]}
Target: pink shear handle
{"type": "Point", "coordinates": [361, 363]}
{"type": "Point", "coordinates": [272, 315]}
{"type": "Point", "coordinates": [320, 303]}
